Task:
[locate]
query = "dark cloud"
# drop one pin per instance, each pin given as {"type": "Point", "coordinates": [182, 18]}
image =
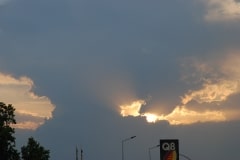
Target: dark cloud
{"type": "Point", "coordinates": [88, 56]}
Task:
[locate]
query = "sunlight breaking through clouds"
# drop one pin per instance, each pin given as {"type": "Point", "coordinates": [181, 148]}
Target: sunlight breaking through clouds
{"type": "Point", "coordinates": [218, 83]}
{"type": "Point", "coordinates": [133, 109]}
{"type": "Point", "coordinates": [179, 116]}
{"type": "Point", "coordinates": [219, 79]}
{"type": "Point", "coordinates": [31, 110]}
{"type": "Point", "coordinates": [212, 92]}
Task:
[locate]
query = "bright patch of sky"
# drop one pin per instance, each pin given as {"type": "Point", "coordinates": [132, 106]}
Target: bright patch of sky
{"type": "Point", "coordinates": [31, 110]}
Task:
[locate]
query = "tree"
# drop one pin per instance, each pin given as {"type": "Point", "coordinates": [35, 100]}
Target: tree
{"type": "Point", "coordinates": [34, 151]}
{"type": "Point", "coordinates": [7, 140]}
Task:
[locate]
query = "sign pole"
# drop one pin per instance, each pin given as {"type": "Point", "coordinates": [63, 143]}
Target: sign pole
{"type": "Point", "coordinates": [169, 149]}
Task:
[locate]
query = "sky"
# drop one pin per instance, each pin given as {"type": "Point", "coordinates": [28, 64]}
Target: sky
{"type": "Point", "coordinates": [88, 74]}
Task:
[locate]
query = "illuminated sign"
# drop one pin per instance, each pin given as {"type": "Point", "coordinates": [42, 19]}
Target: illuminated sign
{"type": "Point", "coordinates": [169, 149]}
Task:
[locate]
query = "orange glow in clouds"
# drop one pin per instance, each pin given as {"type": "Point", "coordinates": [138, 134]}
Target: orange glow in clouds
{"type": "Point", "coordinates": [220, 81]}
{"type": "Point", "coordinates": [179, 116]}
{"type": "Point", "coordinates": [222, 10]}
{"type": "Point", "coordinates": [213, 92]}
{"type": "Point", "coordinates": [150, 117]}
{"type": "Point", "coordinates": [31, 110]}
{"type": "Point", "coordinates": [133, 109]}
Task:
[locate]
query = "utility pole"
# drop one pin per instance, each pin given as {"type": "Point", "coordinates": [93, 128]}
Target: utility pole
{"type": "Point", "coordinates": [81, 154]}
{"type": "Point", "coordinates": [76, 153]}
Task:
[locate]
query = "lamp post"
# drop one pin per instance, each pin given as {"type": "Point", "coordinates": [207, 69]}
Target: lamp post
{"type": "Point", "coordinates": [184, 156]}
{"type": "Point", "coordinates": [149, 150]}
{"type": "Point", "coordinates": [123, 143]}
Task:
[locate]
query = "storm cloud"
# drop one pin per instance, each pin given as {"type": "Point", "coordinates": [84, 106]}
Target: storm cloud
{"type": "Point", "coordinates": [91, 73]}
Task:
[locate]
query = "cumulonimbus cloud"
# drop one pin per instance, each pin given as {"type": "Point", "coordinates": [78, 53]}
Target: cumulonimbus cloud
{"type": "Point", "coordinates": [31, 110]}
{"type": "Point", "coordinates": [218, 81]}
{"type": "Point", "coordinates": [222, 10]}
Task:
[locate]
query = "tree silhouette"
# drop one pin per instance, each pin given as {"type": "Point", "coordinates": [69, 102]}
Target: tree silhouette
{"type": "Point", "coordinates": [7, 140]}
{"type": "Point", "coordinates": [34, 151]}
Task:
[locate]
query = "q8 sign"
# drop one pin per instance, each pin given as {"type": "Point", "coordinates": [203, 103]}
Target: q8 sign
{"type": "Point", "coordinates": [169, 149]}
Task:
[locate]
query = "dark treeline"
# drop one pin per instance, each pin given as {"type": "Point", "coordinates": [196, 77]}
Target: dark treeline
{"type": "Point", "coordinates": [32, 151]}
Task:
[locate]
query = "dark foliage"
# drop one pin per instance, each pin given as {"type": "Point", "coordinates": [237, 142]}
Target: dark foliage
{"type": "Point", "coordinates": [7, 140]}
{"type": "Point", "coordinates": [34, 151]}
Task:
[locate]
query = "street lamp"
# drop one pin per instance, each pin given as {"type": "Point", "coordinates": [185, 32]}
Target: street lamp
{"type": "Point", "coordinates": [184, 156]}
{"type": "Point", "coordinates": [123, 143]}
{"type": "Point", "coordinates": [149, 150]}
